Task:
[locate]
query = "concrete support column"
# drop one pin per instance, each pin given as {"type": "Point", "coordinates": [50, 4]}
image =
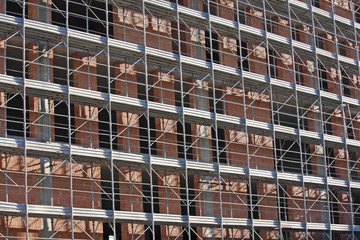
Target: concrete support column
{"type": "Point", "coordinates": [86, 117]}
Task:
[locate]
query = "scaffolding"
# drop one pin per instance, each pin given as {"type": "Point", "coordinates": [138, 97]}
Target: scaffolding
{"type": "Point", "coordinates": [181, 119]}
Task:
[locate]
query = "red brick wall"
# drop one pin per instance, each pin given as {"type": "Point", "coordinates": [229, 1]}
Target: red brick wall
{"type": "Point", "coordinates": [295, 203]}
{"type": "Point", "coordinates": [85, 77]}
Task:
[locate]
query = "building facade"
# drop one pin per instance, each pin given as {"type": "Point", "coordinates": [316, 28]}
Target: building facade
{"type": "Point", "coordinates": [181, 119]}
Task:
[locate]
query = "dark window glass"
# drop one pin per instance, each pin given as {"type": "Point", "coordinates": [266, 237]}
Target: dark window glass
{"type": "Point", "coordinates": [283, 204]}
{"type": "Point", "coordinates": [316, 3]}
{"type": "Point", "coordinates": [15, 115]}
{"type": "Point", "coordinates": [253, 199]}
{"type": "Point", "coordinates": [323, 77]}
{"type": "Point", "coordinates": [220, 131]}
{"type": "Point", "coordinates": [330, 162]}
{"type": "Point", "coordinates": [346, 84]}
{"type": "Point", "coordinates": [15, 8]}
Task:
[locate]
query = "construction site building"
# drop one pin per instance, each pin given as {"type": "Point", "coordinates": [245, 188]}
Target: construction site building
{"type": "Point", "coordinates": [180, 119]}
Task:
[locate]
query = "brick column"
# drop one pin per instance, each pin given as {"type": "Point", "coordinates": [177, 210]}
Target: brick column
{"type": "Point", "coordinates": [234, 107]}
{"type": "Point", "coordinates": [84, 77]}
{"type": "Point", "coordinates": [166, 128]}
{"type": "Point", "coordinates": [130, 180]}
{"type": "Point", "coordinates": [169, 183]}
{"type": "Point", "coordinates": [225, 9]}
{"type": "Point", "coordinates": [131, 200]}
{"type": "Point", "coordinates": [342, 8]}
{"type": "Point", "coordinates": [124, 20]}
{"type": "Point", "coordinates": [353, 78]}
{"type": "Point", "coordinates": [262, 158]}
{"type": "Point", "coordinates": [340, 160]}
{"type": "Point", "coordinates": [2, 6]}
{"type": "Point", "coordinates": [307, 79]}
{"type": "Point", "coordinates": [158, 34]}
{"type": "Point", "coordinates": [86, 179]}
{"type": "Point", "coordinates": [39, 10]}
{"type": "Point", "coordinates": [325, 5]}
{"type": "Point", "coordinates": [184, 37]}
{"type": "Point", "coordinates": [126, 85]}
{"type": "Point", "coordinates": [268, 204]}
{"type": "Point", "coordinates": [258, 56]}
{"type": "Point", "coordinates": [357, 166]}
{"type": "Point", "coordinates": [340, 163]}
{"type": "Point", "coordinates": [234, 101]}
{"type": "Point", "coordinates": [284, 64]}
{"type": "Point", "coordinates": [281, 27]}
{"type": "Point", "coordinates": [233, 199]}
{"type": "Point", "coordinates": [337, 124]}
{"type": "Point", "coordinates": [344, 216]}
{"type": "Point", "coordinates": [169, 201]}
{"type": "Point", "coordinates": [304, 35]}
{"type": "Point", "coordinates": [332, 74]}
{"type": "Point", "coordinates": [294, 213]}
{"type": "Point", "coordinates": [314, 214]}
{"type": "Point", "coordinates": [228, 49]}
{"type": "Point", "coordinates": [237, 149]}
